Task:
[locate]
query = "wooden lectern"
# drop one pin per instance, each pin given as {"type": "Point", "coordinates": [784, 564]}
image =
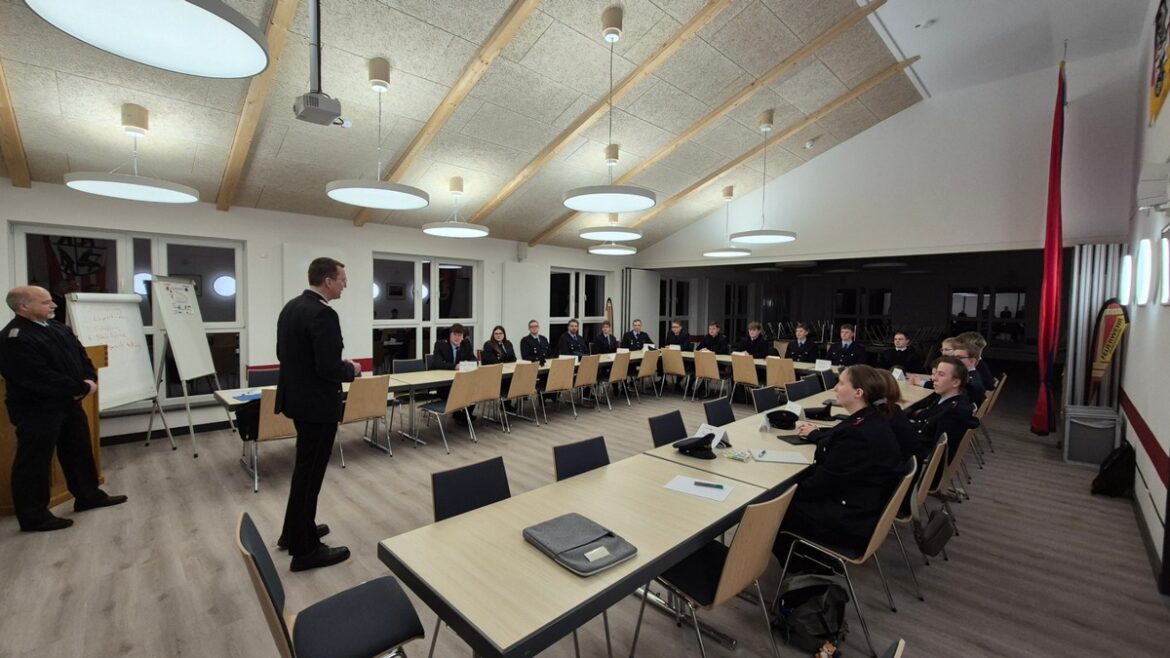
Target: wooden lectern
{"type": "Point", "coordinates": [58, 494]}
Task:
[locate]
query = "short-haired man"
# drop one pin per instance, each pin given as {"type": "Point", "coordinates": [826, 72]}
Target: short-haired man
{"type": "Point", "coordinates": [755, 343]}
{"type": "Point", "coordinates": [969, 353]}
{"type": "Point", "coordinates": [605, 343]}
{"type": "Point", "coordinates": [948, 410]}
{"type": "Point", "coordinates": [48, 374]}
{"type": "Point", "coordinates": [984, 371]}
{"type": "Point", "coordinates": [636, 339]}
{"type": "Point", "coordinates": [715, 341]}
{"type": "Point", "coordinates": [308, 390]}
{"type": "Point", "coordinates": [901, 355]}
{"type": "Point", "coordinates": [678, 336]}
{"type": "Point", "coordinates": [535, 347]}
{"type": "Point", "coordinates": [802, 349]}
{"type": "Point", "coordinates": [455, 350]}
{"type": "Point", "coordinates": [571, 343]}
{"type": "Point", "coordinates": [846, 352]}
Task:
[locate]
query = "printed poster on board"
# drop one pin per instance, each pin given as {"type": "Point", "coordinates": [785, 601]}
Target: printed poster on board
{"type": "Point", "coordinates": [1160, 75]}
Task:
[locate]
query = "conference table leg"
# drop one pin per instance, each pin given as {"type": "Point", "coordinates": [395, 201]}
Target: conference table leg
{"type": "Point", "coordinates": [413, 433]}
{"type": "Point", "coordinates": [660, 604]}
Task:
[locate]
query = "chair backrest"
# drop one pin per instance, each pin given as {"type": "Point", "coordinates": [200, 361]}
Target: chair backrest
{"type": "Point", "coordinates": [587, 371]}
{"type": "Point", "coordinates": [619, 370]}
{"type": "Point", "coordinates": [781, 347]}
{"type": "Point", "coordinates": [667, 428]}
{"type": "Point", "coordinates": [576, 458]}
{"type": "Point", "coordinates": [719, 412]}
{"type": "Point", "coordinates": [780, 372]}
{"type": "Point", "coordinates": [469, 487]}
{"type": "Point", "coordinates": [407, 365]}
{"type": "Point", "coordinates": [751, 549]}
{"type": "Point", "coordinates": [706, 366]}
{"type": "Point", "coordinates": [263, 377]}
{"type": "Point", "coordinates": [804, 388]}
{"type": "Point", "coordinates": [523, 381]}
{"type": "Point", "coordinates": [463, 390]}
{"type": "Point", "coordinates": [560, 375]}
{"type": "Point", "coordinates": [265, 580]}
{"type": "Point", "coordinates": [272, 424]}
{"type": "Point", "coordinates": [672, 363]}
{"type": "Point", "coordinates": [882, 529]}
{"type": "Point", "coordinates": [766, 398]}
{"type": "Point", "coordinates": [817, 383]}
{"type": "Point", "coordinates": [649, 365]}
{"type": "Point", "coordinates": [955, 460]}
{"type": "Point", "coordinates": [995, 392]}
{"type": "Point", "coordinates": [743, 370]}
{"type": "Point", "coordinates": [829, 379]}
{"type": "Point", "coordinates": [366, 399]}
{"type": "Point", "coordinates": [937, 457]}
{"type": "Point", "coordinates": [433, 361]}
{"type": "Point", "coordinates": [488, 381]}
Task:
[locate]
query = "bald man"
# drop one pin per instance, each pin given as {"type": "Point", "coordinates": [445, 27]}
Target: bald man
{"type": "Point", "coordinates": [48, 375]}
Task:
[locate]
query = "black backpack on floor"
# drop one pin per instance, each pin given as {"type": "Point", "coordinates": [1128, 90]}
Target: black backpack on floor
{"type": "Point", "coordinates": [812, 610]}
{"type": "Point", "coordinates": [1116, 475]}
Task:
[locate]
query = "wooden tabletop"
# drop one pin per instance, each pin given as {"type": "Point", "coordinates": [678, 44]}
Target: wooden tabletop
{"type": "Point", "coordinates": [506, 598]}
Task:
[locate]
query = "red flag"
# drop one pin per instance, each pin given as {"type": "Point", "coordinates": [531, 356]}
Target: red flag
{"type": "Point", "coordinates": [1044, 415]}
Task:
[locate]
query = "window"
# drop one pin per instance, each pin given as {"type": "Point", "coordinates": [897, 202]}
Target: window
{"type": "Point", "coordinates": [204, 265]}
{"type": "Point", "coordinates": [577, 294]}
{"type": "Point", "coordinates": [674, 303]}
{"type": "Point", "coordinates": [417, 300]}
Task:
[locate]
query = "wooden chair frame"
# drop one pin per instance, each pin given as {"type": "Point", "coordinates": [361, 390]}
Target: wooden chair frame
{"type": "Point", "coordinates": [648, 369]}
{"type": "Point", "coordinates": [522, 387]}
{"type": "Point", "coordinates": [673, 366]}
{"type": "Point", "coordinates": [706, 371]}
{"type": "Point", "coordinates": [619, 375]}
{"type": "Point", "coordinates": [273, 427]}
{"type": "Point", "coordinates": [743, 372]}
{"type": "Point", "coordinates": [779, 372]}
{"type": "Point", "coordinates": [560, 380]}
{"type": "Point", "coordinates": [462, 396]}
{"type": "Point", "coordinates": [366, 402]}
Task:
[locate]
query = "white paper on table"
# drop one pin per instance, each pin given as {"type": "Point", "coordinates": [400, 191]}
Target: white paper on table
{"type": "Point", "coordinates": [765, 426]}
{"type": "Point", "coordinates": [522, 361]}
{"type": "Point", "coordinates": [647, 346]}
{"type": "Point", "coordinates": [823, 364]}
{"type": "Point", "coordinates": [739, 353]}
{"type": "Point", "coordinates": [674, 347]}
{"type": "Point", "coordinates": [899, 375]}
{"type": "Point", "coordinates": [466, 366]}
{"type": "Point", "coordinates": [795, 408]}
{"type": "Point", "coordinates": [780, 456]}
{"type": "Point", "coordinates": [623, 350]}
{"type": "Point", "coordinates": [719, 432]}
{"type": "Point", "coordinates": [687, 485]}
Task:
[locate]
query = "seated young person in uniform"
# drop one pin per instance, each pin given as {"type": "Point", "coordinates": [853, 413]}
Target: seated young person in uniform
{"type": "Point", "coordinates": [714, 341]}
{"type": "Point", "coordinates": [981, 367]}
{"type": "Point", "coordinates": [846, 352]}
{"type": "Point", "coordinates": [498, 349]}
{"type": "Point", "coordinates": [677, 336]}
{"type": "Point", "coordinates": [535, 347]}
{"type": "Point", "coordinates": [803, 349]}
{"type": "Point", "coordinates": [948, 410]}
{"type": "Point", "coordinates": [755, 343]}
{"type": "Point", "coordinates": [605, 343]}
{"type": "Point", "coordinates": [901, 355]}
{"type": "Point", "coordinates": [571, 343]}
{"type": "Point", "coordinates": [450, 353]}
{"type": "Point", "coordinates": [635, 339]}
{"type": "Point", "coordinates": [858, 465]}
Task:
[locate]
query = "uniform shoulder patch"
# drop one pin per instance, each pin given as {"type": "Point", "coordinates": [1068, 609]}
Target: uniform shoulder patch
{"type": "Point", "coordinates": [14, 332]}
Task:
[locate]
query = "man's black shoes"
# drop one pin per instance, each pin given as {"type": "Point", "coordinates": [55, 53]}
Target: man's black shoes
{"type": "Point", "coordinates": [322, 530]}
{"type": "Point", "coordinates": [47, 525]}
{"type": "Point", "coordinates": [94, 503]}
{"type": "Point", "coordinates": [324, 556]}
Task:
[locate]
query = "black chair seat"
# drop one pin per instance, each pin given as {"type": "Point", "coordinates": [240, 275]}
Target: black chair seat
{"type": "Point", "coordinates": [697, 576]}
{"type": "Point", "coordinates": [371, 618]}
{"type": "Point", "coordinates": [849, 553]}
{"type": "Point", "coordinates": [437, 406]}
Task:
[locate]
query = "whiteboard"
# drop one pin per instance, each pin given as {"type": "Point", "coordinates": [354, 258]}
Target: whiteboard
{"type": "Point", "coordinates": [115, 321]}
{"type": "Point", "coordinates": [178, 309]}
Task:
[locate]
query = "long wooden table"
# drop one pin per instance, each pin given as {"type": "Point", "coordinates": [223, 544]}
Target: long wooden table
{"type": "Point", "coordinates": [506, 598]}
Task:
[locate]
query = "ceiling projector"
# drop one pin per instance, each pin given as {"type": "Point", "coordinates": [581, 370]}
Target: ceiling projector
{"type": "Point", "coordinates": [317, 107]}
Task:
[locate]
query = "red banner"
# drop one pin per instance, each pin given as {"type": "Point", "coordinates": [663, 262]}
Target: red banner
{"type": "Point", "coordinates": [1044, 415]}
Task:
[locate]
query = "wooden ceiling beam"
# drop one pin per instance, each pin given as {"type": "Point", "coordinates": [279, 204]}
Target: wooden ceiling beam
{"type": "Point", "coordinates": [11, 145]}
{"type": "Point", "coordinates": [500, 37]}
{"type": "Point", "coordinates": [755, 152]}
{"type": "Point", "coordinates": [789, 63]}
{"type": "Point", "coordinates": [276, 32]}
{"type": "Point", "coordinates": [623, 88]}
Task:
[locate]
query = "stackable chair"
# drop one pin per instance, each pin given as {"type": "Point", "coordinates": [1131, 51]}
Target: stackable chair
{"type": "Point", "coordinates": [673, 366]}
{"type": "Point", "coordinates": [366, 402]}
{"type": "Point", "coordinates": [619, 376]}
{"type": "Point", "coordinates": [461, 396]}
{"type": "Point", "coordinates": [919, 493]}
{"type": "Point", "coordinates": [522, 387]}
{"type": "Point", "coordinates": [560, 380]}
{"type": "Point", "coordinates": [272, 427]}
{"type": "Point", "coordinates": [804, 388]}
{"type": "Point", "coordinates": [719, 412]}
{"type": "Point", "coordinates": [829, 379]}
{"type": "Point", "coordinates": [779, 372]}
{"type": "Point", "coordinates": [667, 428]}
{"type": "Point", "coordinates": [706, 371]}
{"type": "Point", "coordinates": [743, 373]}
{"type": "Point", "coordinates": [766, 398]}
{"type": "Point", "coordinates": [647, 370]}
{"type": "Point", "coordinates": [587, 379]}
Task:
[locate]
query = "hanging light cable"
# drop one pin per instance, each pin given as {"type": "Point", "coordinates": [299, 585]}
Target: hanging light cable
{"type": "Point", "coordinates": [764, 235]}
{"type": "Point", "coordinates": [610, 232]}
{"type": "Point", "coordinates": [730, 251]}
{"type": "Point", "coordinates": [455, 227]}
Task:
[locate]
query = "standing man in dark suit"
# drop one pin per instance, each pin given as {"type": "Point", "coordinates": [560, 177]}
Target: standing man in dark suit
{"type": "Point", "coordinates": [901, 355]}
{"type": "Point", "coordinates": [535, 347]}
{"type": "Point", "coordinates": [802, 349]}
{"type": "Point", "coordinates": [571, 343]}
{"type": "Point", "coordinates": [605, 343]}
{"type": "Point", "coordinates": [676, 336]}
{"type": "Point", "coordinates": [635, 339]}
{"type": "Point", "coordinates": [47, 373]}
{"type": "Point", "coordinates": [846, 352]}
{"type": "Point", "coordinates": [714, 341]}
{"type": "Point", "coordinates": [309, 346]}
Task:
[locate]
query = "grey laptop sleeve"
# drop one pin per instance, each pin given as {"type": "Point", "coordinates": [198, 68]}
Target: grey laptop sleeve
{"type": "Point", "coordinates": [578, 544]}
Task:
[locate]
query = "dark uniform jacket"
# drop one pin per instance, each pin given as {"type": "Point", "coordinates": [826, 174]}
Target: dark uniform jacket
{"type": "Point", "coordinates": [683, 340]}
{"type": "Point", "coordinates": [535, 349]}
{"type": "Point", "coordinates": [759, 347]}
{"type": "Point", "coordinates": [572, 345]}
{"type": "Point", "coordinates": [974, 389]}
{"type": "Point", "coordinates": [45, 368]}
{"type": "Point", "coordinates": [498, 352]}
{"type": "Point", "coordinates": [635, 341]}
{"type": "Point", "coordinates": [858, 464]}
{"type": "Point", "coordinates": [718, 344]}
{"type": "Point", "coordinates": [985, 376]}
{"type": "Point", "coordinates": [906, 359]}
{"type": "Point", "coordinates": [807, 353]}
{"type": "Point", "coordinates": [448, 356]}
{"type": "Point", "coordinates": [953, 417]}
{"type": "Point", "coordinates": [840, 355]}
{"type": "Point", "coordinates": [308, 346]}
{"type": "Point", "coordinates": [605, 344]}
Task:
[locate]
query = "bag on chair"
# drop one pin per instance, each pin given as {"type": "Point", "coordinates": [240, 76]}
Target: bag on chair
{"type": "Point", "coordinates": [248, 420]}
{"type": "Point", "coordinates": [932, 529]}
{"type": "Point", "coordinates": [811, 610]}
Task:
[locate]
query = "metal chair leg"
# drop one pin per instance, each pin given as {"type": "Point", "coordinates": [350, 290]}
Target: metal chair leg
{"type": "Point", "coordinates": [987, 435]}
{"type": "Point", "coordinates": [885, 583]}
{"type": "Point", "coordinates": [442, 433]}
{"type": "Point", "coordinates": [608, 644]}
{"type": "Point", "coordinates": [767, 620]}
{"type": "Point", "coordinates": [906, 557]}
{"type": "Point", "coordinates": [857, 607]}
{"type": "Point", "coordinates": [698, 632]}
{"type": "Point", "coordinates": [641, 613]}
{"type": "Point", "coordinates": [435, 637]}
{"type": "Point", "coordinates": [470, 425]}
{"type": "Point", "coordinates": [783, 572]}
{"type": "Point", "coordinates": [576, 644]}
{"type": "Point", "coordinates": [341, 451]}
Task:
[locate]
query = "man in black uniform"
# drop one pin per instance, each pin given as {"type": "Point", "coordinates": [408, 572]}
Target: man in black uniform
{"type": "Point", "coordinates": [605, 343]}
{"type": "Point", "coordinates": [635, 339]}
{"type": "Point", "coordinates": [48, 374]}
{"type": "Point", "coordinates": [802, 349]}
{"type": "Point", "coordinates": [755, 343]}
{"type": "Point", "coordinates": [948, 410]}
{"type": "Point", "coordinates": [534, 347]}
{"type": "Point", "coordinates": [453, 351]}
{"type": "Point", "coordinates": [308, 346]}
{"type": "Point", "coordinates": [571, 343]}
{"type": "Point", "coordinates": [714, 341]}
{"type": "Point", "coordinates": [676, 336]}
{"type": "Point", "coordinates": [901, 355]}
{"type": "Point", "coordinates": [846, 352]}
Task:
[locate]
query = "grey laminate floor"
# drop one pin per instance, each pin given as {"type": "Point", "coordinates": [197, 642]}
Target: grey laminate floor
{"type": "Point", "coordinates": [1041, 568]}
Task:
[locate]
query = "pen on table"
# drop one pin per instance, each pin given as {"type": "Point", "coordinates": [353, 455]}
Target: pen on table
{"type": "Point", "coordinates": [712, 485]}
{"type": "Point", "coordinates": [763, 452]}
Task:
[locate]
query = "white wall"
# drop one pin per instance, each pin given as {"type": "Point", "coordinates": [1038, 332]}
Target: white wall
{"type": "Point", "coordinates": [265, 234]}
{"type": "Point", "coordinates": [961, 171]}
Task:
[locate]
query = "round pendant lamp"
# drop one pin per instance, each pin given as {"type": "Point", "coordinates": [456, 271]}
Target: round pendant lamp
{"type": "Point", "coordinates": [611, 232]}
{"type": "Point", "coordinates": [764, 235]}
{"type": "Point", "coordinates": [730, 250]}
{"type": "Point", "coordinates": [455, 227]}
